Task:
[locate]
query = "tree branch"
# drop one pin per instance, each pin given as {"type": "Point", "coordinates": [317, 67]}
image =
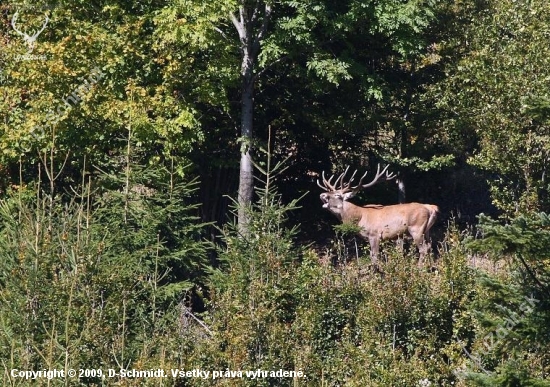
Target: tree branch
{"type": "Point", "coordinates": [241, 15]}
{"type": "Point", "coordinates": [532, 274]}
{"type": "Point", "coordinates": [202, 324]}
{"type": "Point", "coordinates": [239, 25]}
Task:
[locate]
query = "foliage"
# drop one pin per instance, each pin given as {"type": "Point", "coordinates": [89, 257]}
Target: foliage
{"type": "Point", "coordinates": [497, 87]}
{"type": "Point", "coordinates": [104, 263]}
{"type": "Point", "coordinates": [95, 279]}
{"type": "Point", "coordinates": [114, 40]}
{"type": "Point", "coordinates": [527, 239]}
{"type": "Point", "coordinates": [511, 347]}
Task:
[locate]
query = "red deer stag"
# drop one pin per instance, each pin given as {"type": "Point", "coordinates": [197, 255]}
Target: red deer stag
{"type": "Point", "coordinates": [379, 222]}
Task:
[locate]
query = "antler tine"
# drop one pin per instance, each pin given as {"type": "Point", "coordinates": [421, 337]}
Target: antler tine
{"type": "Point", "coordinates": [341, 179]}
{"type": "Point", "coordinates": [320, 186]}
{"type": "Point", "coordinates": [389, 175]}
{"type": "Point", "coordinates": [327, 186]}
{"type": "Point", "coordinates": [346, 186]}
{"type": "Point", "coordinates": [340, 184]}
{"type": "Point", "coordinates": [380, 176]}
{"type": "Point", "coordinates": [360, 181]}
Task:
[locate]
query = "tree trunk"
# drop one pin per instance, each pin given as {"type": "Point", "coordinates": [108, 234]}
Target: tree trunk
{"type": "Point", "coordinates": [404, 138]}
{"type": "Point", "coordinates": [401, 189]}
{"type": "Point", "coordinates": [401, 186]}
{"type": "Point", "coordinates": [252, 29]}
{"type": "Point", "coordinates": [246, 171]}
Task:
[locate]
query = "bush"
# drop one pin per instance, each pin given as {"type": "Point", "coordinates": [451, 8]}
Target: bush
{"type": "Point", "coordinates": [94, 280]}
{"type": "Point", "coordinates": [511, 346]}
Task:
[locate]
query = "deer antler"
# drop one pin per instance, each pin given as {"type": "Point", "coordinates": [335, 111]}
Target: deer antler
{"type": "Point", "coordinates": [326, 183]}
{"type": "Point", "coordinates": [328, 186]}
{"type": "Point", "coordinates": [346, 186]}
{"type": "Point", "coordinates": [380, 177]}
{"type": "Point", "coordinates": [30, 40]}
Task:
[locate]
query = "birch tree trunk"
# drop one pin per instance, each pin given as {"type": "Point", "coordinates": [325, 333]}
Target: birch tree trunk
{"type": "Point", "coordinates": [251, 24]}
{"type": "Point", "coordinates": [246, 170]}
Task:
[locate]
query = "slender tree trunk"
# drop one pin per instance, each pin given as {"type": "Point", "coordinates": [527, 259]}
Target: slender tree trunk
{"type": "Point", "coordinates": [404, 141]}
{"type": "Point", "coordinates": [246, 171]}
{"type": "Point", "coordinates": [401, 188]}
{"type": "Point", "coordinates": [251, 24]}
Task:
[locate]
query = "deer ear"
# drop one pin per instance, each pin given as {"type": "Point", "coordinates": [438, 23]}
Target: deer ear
{"type": "Point", "coordinates": [348, 195]}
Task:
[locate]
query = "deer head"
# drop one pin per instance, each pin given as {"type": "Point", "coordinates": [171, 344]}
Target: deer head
{"type": "Point", "coordinates": [29, 40]}
{"type": "Point", "coordinates": [340, 191]}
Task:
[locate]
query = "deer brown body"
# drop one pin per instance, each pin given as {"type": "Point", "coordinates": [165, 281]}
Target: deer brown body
{"type": "Point", "coordinates": [379, 222]}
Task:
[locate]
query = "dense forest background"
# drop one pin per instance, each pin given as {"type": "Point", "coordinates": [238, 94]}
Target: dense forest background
{"type": "Point", "coordinates": [159, 205]}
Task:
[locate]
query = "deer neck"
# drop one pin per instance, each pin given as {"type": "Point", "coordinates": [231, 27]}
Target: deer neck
{"type": "Point", "coordinates": [350, 213]}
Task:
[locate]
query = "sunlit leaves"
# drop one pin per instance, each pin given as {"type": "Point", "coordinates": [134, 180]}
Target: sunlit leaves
{"type": "Point", "coordinates": [332, 69]}
{"type": "Point", "coordinates": [505, 71]}
{"type": "Point", "coordinates": [133, 92]}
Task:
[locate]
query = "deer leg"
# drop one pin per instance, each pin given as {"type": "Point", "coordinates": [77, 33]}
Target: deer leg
{"type": "Point", "coordinates": [374, 247]}
{"type": "Point", "coordinates": [428, 241]}
{"type": "Point", "coordinates": [400, 243]}
{"type": "Point", "coordinates": [423, 249]}
{"type": "Point", "coordinates": [423, 252]}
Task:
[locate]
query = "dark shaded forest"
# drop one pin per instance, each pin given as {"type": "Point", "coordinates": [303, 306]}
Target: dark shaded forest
{"type": "Point", "coordinates": [159, 196]}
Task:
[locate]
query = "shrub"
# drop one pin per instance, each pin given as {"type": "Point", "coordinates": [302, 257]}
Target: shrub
{"type": "Point", "coordinates": [94, 280]}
